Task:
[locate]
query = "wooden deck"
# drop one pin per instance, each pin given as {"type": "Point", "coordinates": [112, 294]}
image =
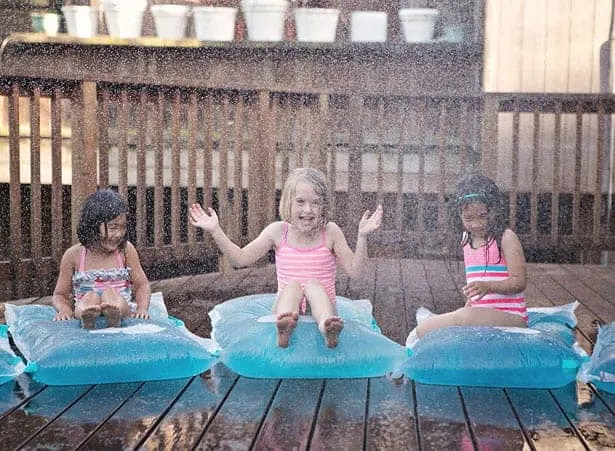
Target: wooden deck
{"type": "Point", "coordinates": [220, 410]}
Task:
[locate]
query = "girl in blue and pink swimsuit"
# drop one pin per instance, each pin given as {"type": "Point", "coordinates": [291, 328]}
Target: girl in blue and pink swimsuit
{"type": "Point", "coordinates": [102, 273]}
{"type": "Point", "coordinates": [494, 262]}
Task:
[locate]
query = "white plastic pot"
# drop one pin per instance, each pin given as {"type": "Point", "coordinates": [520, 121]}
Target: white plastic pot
{"type": "Point", "coordinates": [81, 20]}
{"type": "Point", "coordinates": [214, 23]}
{"type": "Point", "coordinates": [170, 20]}
{"type": "Point", "coordinates": [265, 19]}
{"type": "Point", "coordinates": [316, 24]}
{"type": "Point", "coordinates": [368, 26]}
{"type": "Point", "coordinates": [124, 17]}
{"type": "Point", "coordinates": [418, 23]}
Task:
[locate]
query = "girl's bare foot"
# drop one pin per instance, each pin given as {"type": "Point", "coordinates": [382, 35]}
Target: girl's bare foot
{"type": "Point", "coordinates": [331, 330]}
{"type": "Point", "coordinates": [286, 323]}
{"type": "Point", "coordinates": [113, 315]}
{"type": "Point", "coordinates": [88, 317]}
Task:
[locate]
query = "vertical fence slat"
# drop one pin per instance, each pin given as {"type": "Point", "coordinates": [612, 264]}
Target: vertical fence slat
{"type": "Point", "coordinates": [514, 169]}
{"type": "Point", "coordinates": [122, 165]}
{"type": "Point", "coordinates": [442, 117]}
{"type": "Point", "coordinates": [208, 151]}
{"type": "Point", "coordinates": [271, 155]}
{"type": "Point", "coordinates": [402, 122]}
{"type": "Point", "coordinates": [489, 135]}
{"type": "Point", "coordinates": [464, 137]}
{"type": "Point", "coordinates": [535, 175]}
{"type": "Point", "coordinates": [380, 149]}
{"type": "Point", "coordinates": [16, 237]}
{"type": "Point", "coordinates": [557, 150]}
{"type": "Point", "coordinates": [422, 137]}
{"type": "Point", "coordinates": [35, 188]}
{"type": "Point", "coordinates": [191, 124]}
{"type": "Point", "coordinates": [223, 204]}
{"type": "Point", "coordinates": [175, 169]}
{"type": "Point", "coordinates": [104, 145]}
{"type": "Point", "coordinates": [159, 174]}
{"type": "Point", "coordinates": [141, 207]}
{"type": "Point", "coordinates": [84, 148]}
{"type": "Point", "coordinates": [238, 160]}
{"type": "Point", "coordinates": [599, 168]}
{"type": "Point", "coordinates": [57, 246]}
{"type": "Point", "coordinates": [578, 155]}
{"type": "Point", "coordinates": [355, 161]}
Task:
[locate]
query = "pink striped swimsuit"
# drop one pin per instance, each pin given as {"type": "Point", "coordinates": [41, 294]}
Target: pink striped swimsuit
{"type": "Point", "coordinates": [304, 264]}
{"type": "Point", "coordinates": [494, 269]}
{"type": "Point", "coordinates": [98, 280]}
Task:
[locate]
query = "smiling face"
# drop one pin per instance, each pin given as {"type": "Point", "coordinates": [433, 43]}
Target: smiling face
{"type": "Point", "coordinates": [306, 208]}
{"type": "Point", "coordinates": [476, 218]}
{"type": "Point", "coordinates": [113, 233]}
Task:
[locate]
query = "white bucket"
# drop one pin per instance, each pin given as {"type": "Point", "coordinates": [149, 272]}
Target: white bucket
{"type": "Point", "coordinates": [316, 24]}
{"type": "Point", "coordinates": [368, 26]}
{"type": "Point", "coordinates": [124, 17]}
{"type": "Point", "coordinates": [265, 19]}
{"type": "Point", "coordinates": [214, 23]}
{"type": "Point", "coordinates": [418, 23]}
{"type": "Point", "coordinates": [170, 20]}
{"type": "Point", "coordinates": [81, 20]}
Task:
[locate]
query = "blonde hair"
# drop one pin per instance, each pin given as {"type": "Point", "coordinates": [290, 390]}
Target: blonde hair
{"type": "Point", "coordinates": [314, 178]}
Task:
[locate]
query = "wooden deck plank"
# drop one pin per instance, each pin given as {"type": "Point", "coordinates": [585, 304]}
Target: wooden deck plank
{"type": "Point", "coordinates": [290, 418]}
{"type": "Point", "coordinates": [36, 414]}
{"type": "Point", "coordinates": [389, 305]}
{"type": "Point", "coordinates": [182, 426]}
{"type": "Point", "coordinates": [545, 423]}
{"type": "Point", "coordinates": [592, 419]}
{"type": "Point", "coordinates": [341, 418]}
{"type": "Point", "coordinates": [237, 423]}
{"type": "Point", "coordinates": [391, 423]}
{"type": "Point", "coordinates": [442, 424]}
{"type": "Point", "coordinates": [16, 392]}
{"type": "Point", "coordinates": [132, 422]}
{"type": "Point", "coordinates": [83, 417]}
{"type": "Point", "coordinates": [492, 419]}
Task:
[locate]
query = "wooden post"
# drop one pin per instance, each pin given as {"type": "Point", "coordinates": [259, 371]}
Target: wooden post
{"type": "Point", "coordinates": [489, 136]}
{"type": "Point", "coordinates": [84, 144]}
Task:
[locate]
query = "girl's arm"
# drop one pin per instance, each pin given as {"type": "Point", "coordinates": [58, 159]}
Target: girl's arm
{"type": "Point", "coordinates": [349, 261]}
{"type": "Point", "coordinates": [140, 283]}
{"type": "Point", "coordinates": [516, 281]}
{"type": "Point", "coordinates": [238, 256]}
{"type": "Point", "coordinates": [62, 293]}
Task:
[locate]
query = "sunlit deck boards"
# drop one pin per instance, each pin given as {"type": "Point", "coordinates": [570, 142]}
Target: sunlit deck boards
{"type": "Point", "coordinates": [220, 410]}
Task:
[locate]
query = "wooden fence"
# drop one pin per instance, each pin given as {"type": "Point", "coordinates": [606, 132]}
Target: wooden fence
{"type": "Point", "coordinates": [165, 146]}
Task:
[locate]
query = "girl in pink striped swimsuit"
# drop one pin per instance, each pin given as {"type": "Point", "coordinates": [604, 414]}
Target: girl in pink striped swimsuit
{"type": "Point", "coordinates": [308, 248]}
{"type": "Point", "coordinates": [493, 258]}
{"type": "Point", "coordinates": [102, 273]}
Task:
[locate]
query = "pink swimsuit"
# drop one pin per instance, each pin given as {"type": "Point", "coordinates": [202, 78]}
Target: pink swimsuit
{"type": "Point", "coordinates": [304, 264]}
{"type": "Point", "coordinates": [477, 269]}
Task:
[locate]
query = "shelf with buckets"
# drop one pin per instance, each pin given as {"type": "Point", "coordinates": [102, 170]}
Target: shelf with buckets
{"type": "Point", "coordinates": [265, 21]}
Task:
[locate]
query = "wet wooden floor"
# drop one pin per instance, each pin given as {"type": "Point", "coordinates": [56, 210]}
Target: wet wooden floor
{"type": "Point", "coordinates": [221, 410]}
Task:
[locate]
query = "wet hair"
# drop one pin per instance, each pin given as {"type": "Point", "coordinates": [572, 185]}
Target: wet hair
{"type": "Point", "coordinates": [308, 175]}
{"type": "Point", "coordinates": [477, 188]}
{"type": "Point", "coordinates": [99, 208]}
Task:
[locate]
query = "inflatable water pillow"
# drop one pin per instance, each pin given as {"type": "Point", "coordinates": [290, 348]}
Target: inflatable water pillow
{"type": "Point", "coordinates": [245, 331]}
{"type": "Point", "coordinates": [600, 370]}
{"type": "Point", "coordinates": [63, 353]}
{"type": "Point", "coordinates": [11, 365]}
{"type": "Point", "coordinates": [543, 355]}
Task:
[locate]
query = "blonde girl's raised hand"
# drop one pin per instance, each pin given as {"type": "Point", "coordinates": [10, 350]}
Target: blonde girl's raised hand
{"type": "Point", "coordinates": [206, 220]}
{"type": "Point", "coordinates": [370, 223]}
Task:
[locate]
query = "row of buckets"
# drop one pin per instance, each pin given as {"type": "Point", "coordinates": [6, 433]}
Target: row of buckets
{"type": "Point", "coordinates": [265, 21]}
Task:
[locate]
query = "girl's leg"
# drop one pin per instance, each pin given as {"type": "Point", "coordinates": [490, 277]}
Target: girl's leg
{"type": "Point", "coordinates": [87, 309]}
{"type": "Point", "coordinates": [470, 316]}
{"type": "Point", "coordinates": [286, 308]}
{"type": "Point", "coordinates": [114, 307]}
{"type": "Point", "coordinates": [324, 313]}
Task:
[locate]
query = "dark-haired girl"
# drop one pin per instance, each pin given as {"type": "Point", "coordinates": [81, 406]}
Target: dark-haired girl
{"type": "Point", "coordinates": [102, 273]}
{"type": "Point", "coordinates": [493, 258]}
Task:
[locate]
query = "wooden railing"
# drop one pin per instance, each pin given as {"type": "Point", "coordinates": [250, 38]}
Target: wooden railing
{"type": "Point", "coordinates": [224, 143]}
